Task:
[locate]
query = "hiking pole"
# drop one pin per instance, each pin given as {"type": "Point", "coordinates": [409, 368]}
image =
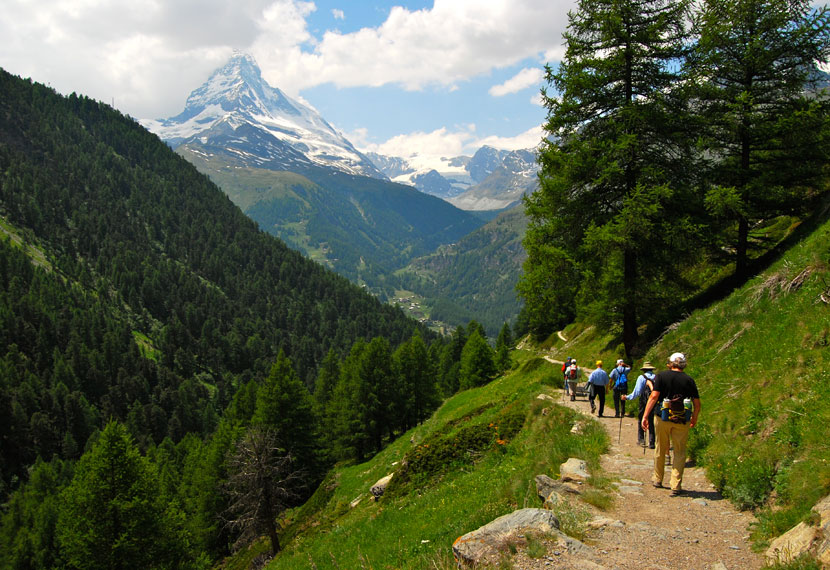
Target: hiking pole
{"type": "Point", "coordinates": [619, 435]}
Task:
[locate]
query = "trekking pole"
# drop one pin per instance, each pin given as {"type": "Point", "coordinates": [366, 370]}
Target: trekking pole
{"type": "Point", "coordinates": [619, 435]}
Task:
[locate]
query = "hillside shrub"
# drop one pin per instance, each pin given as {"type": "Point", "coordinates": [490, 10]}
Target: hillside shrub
{"type": "Point", "coordinates": [743, 477]}
{"type": "Point", "coordinates": [443, 452]}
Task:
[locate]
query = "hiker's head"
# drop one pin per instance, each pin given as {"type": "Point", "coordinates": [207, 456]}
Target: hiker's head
{"type": "Point", "coordinates": [620, 361]}
{"type": "Point", "coordinates": [647, 366]}
{"type": "Point", "coordinates": [599, 363]}
{"type": "Point", "coordinates": [677, 360]}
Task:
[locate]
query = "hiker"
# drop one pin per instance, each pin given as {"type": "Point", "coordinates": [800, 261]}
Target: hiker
{"type": "Point", "coordinates": [678, 393]}
{"type": "Point", "coordinates": [572, 377]}
{"type": "Point", "coordinates": [642, 389]}
{"type": "Point", "coordinates": [619, 383]}
{"type": "Point", "coordinates": [597, 382]}
{"type": "Point", "coordinates": [565, 367]}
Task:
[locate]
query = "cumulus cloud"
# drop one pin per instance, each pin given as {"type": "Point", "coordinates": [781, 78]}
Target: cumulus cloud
{"type": "Point", "coordinates": [338, 14]}
{"type": "Point", "coordinates": [448, 43]}
{"type": "Point", "coordinates": [147, 55]}
{"type": "Point", "coordinates": [528, 77]}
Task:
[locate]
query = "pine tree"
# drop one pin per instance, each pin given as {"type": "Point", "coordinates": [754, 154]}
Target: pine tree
{"type": "Point", "coordinates": [765, 135]}
{"type": "Point", "coordinates": [112, 516]}
{"type": "Point", "coordinates": [285, 407]}
{"type": "Point", "coordinates": [477, 366]}
{"type": "Point", "coordinates": [610, 168]}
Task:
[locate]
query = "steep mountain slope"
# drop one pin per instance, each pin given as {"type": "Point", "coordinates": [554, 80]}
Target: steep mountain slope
{"type": "Point", "coordinates": [475, 277]}
{"type": "Point", "coordinates": [291, 172]}
{"type": "Point", "coordinates": [132, 288]}
{"type": "Point", "coordinates": [235, 112]}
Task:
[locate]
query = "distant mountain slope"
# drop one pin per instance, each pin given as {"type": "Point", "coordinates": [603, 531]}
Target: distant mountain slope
{"type": "Point", "coordinates": [491, 179]}
{"type": "Point", "coordinates": [476, 277]}
{"type": "Point", "coordinates": [254, 142]}
{"type": "Point", "coordinates": [236, 112]}
{"type": "Point", "coordinates": [363, 228]}
{"type": "Point", "coordinates": [153, 297]}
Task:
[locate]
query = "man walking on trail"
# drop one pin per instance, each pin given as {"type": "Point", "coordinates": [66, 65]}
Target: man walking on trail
{"type": "Point", "coordinates": [642, 389]}
{"type": "Point", "coordinates": [565, 367]}
{"type": "Point", "coordinates": [597, 382]}
{"type": "Point", "coordinates": [673, 386]}
{"type": "Point", "coordinates": [572, 377]}
{"type": "Point", "coordinates": [619, 382]}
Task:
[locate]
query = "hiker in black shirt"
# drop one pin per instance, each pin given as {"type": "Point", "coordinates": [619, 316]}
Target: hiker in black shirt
{"type": "Point", "coordinates": [673, 419]}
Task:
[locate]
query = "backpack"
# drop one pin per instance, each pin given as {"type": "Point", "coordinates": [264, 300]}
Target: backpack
{"type": "Point", "coordinates": [572, 372]}
{"type": "Point", "coordinates": [622, 380]}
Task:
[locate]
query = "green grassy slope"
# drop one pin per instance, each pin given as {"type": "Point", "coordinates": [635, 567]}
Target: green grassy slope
{"type": "Point", "coordinates": [760, 357]}
{"type": "Point", "coordinates": [473, 461]}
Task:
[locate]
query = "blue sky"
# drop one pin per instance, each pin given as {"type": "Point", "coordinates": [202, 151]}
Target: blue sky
{"type": "Point", "coordinates": [405, 78]}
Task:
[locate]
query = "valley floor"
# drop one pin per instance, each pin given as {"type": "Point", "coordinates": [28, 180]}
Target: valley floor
{"type": "Point", "coordinates": [646, 528]}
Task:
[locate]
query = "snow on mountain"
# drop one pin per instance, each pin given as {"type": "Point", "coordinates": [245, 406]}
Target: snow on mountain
{"type": "Point", "coordinates": [237, 110]}
{"type": "Point", "coordinates": [491, 179]}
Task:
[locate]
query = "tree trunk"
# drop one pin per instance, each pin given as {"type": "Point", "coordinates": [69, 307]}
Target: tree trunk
{"type": "Point", "coordinates": [629, 307]}
{"type": "Point", "coordinates": [741, 250]}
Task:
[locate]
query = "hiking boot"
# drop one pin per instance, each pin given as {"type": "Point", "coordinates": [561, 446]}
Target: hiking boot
{"type": "Point", "coordinates": [641, 443]}
{"type": "Point", "coordinates": [616, 415]}
{"type": "Point", "coordinates": [651, 446]}
{"type": "Point", "coordinates": [676, 492]}
{"type": "Point", "coordinates": [656, 485]}
{"type": "Point", "coordinates": [593, 408]}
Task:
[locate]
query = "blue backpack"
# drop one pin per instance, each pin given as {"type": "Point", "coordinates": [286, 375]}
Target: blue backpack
{"type": "Point", "coordinates": [622, 379]}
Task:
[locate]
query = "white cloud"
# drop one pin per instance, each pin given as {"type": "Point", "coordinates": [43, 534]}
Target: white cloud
{"type": "Point", "coordinates": [426, 150]}
{"type": "Point", "coordinates": [451, 42]}
{"type": "Point", "coordinates": [527, 77]}
{"type": "Point", "coordinates": [338, 14]}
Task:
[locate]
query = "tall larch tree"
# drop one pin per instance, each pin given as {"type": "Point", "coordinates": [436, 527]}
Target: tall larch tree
{"type": "Point", "coordinates": [764, 126]}
{"type": "Point", "coordinates": [610, 168]}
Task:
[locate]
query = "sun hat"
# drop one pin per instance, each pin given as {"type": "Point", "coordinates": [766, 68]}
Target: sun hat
{"type": "Point", "coordinates": [620, 361]}
{"type": "Point", "coordinates": [677, 357]}
{"type": "Point", "coordinates": [647, 366]}
{"type": "Point", "coordinates": [599, 362]}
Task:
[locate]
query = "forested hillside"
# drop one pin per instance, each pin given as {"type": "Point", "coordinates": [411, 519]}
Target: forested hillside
{"type": "Point", "coordinates": [475, 277]}
{"type": "Point", "coordinates": [163, 359]}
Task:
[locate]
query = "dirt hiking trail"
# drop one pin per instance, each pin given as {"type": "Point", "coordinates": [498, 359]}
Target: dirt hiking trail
{"type": "Point", "coordinates": [646, 528]}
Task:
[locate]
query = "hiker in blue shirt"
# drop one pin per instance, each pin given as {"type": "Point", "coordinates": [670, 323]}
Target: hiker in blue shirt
{"type": "Point", "coordinates": [597, 382]}
{"type": "Point", "coordinates": [643, 388]}
{"type": "Point", "coordinates": [619, 382]}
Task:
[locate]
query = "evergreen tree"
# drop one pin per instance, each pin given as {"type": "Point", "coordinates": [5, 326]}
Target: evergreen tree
{"type": "Point", "coordinates": [610, 168]}
{"type": "Point", "coordinates": [504, 343]}
{"type": "Point", "coordinates": [285, 407]}
{"type": "Point", "coordinates": [765, 135]}
{"type": "Point", "coordinates": [415, 374]}
{"type": "Point", "coordinates": [477, 366]}
{"type": "Point", "coordinates": [112, 516]}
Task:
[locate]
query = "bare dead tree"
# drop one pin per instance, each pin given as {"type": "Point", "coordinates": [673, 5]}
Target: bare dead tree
{"type": "Point", "coordinates": [262, 484]}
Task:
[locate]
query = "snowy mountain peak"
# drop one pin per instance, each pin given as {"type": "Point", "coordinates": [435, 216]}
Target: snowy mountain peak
{"type": "Point", "coordinates": [288, 135]}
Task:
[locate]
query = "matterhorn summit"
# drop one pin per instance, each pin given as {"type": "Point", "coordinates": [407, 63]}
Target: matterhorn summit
{"type": "Point", "coordinates": [238, 114]}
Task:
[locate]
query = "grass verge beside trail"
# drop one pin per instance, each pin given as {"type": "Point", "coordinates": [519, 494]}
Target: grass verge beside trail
{"type": "Point", "coordinates": [477, 458]}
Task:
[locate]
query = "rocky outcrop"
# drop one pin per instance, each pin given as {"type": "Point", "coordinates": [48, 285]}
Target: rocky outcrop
{"type": "Point", "coordinates": [574, 470]}
{"type": "Point", "coordinates": [812, 538]}
{"type": "Point", "coordinates": [486, 543]}
{"type": "Point", "coordinates": [380, 487]}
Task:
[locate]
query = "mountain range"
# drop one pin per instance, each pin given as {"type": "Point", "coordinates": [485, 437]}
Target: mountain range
{"type": "Point", "coordinates": [364, 215]}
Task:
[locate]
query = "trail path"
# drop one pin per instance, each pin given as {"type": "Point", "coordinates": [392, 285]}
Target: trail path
{"type": "Point", "coordinates": [648, 529]}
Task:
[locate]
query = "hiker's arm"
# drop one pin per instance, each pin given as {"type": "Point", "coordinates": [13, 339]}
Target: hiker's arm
{"type": "Point", "coordinates": [652, 401]}
{"type": "Point", "coordinates": [695, 412]}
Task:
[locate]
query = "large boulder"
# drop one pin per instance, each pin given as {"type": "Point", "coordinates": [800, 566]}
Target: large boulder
{"type": "Point", "coordinates": [574, 470]}
{"type": "Point", "coordinates": [487, 542]}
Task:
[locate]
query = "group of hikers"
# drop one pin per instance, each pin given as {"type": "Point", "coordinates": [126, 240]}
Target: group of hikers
{"type": "Point", "coordinates": [667, 423]}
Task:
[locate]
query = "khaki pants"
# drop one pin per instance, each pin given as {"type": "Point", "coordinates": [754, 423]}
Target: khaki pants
{"type": "Point", "coordinates": [677, 435]}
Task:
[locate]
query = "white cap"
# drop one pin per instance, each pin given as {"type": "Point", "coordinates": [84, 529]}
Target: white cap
{"type": "Point", "coordinates": [620, 361]}
{"type": "Point", "coordinates": [677, 358]}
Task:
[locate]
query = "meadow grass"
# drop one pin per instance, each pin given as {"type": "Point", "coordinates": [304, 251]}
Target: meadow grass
{"type": "Point", "coordinates": [415, 525]}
